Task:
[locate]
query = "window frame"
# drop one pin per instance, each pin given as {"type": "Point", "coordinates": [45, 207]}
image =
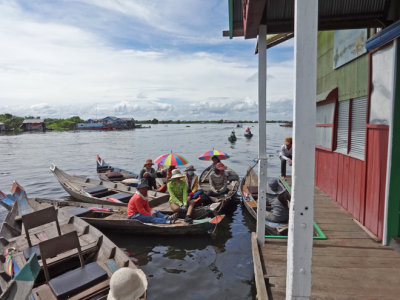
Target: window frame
{"type": "Point", "coordinates": [332, 97]}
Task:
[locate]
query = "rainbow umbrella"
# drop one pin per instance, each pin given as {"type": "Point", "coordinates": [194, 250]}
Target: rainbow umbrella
{"type": "Point", "coordinates": [171, 159]}
{"type": "Point", "coordinates": [209, 154]}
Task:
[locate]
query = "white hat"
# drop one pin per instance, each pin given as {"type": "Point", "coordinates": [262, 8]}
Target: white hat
{"type": "Point", "coordinates": [176, 173]}
{"type": "Point", "coordinates": [127, 284]}
{"type": "Point", "coordinates": [274, 187]}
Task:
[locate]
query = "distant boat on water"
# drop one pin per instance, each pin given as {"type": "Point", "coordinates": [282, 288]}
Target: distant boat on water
{"type": "Point", "coordinates": [287, 124]}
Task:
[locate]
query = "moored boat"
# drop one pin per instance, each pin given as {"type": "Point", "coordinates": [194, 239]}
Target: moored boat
{"type": "Point", "coordinates": [248, 135]}
{"type": "Point", "coordinates": [51, 235]}
{"type": "Point", "coordinates": [101, 192]}
{"type": "Point", "coordinates": [227, 199]}
{"type": "Point", "coordinates": [115, 218]}
{"type": "Point", "coordinates": [249, 191]}
{"type": "Point", "coordinates": [110, 173]}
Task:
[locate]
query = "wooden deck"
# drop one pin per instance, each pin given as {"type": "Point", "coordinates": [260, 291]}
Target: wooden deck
{"type": "Point", "coordinates": [348, 265]}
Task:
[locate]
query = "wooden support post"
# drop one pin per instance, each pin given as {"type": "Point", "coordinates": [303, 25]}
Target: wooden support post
{"type": "Point", "coordinates": [262, 132]}
{"type": "Point", "coordinates": [300, 239]}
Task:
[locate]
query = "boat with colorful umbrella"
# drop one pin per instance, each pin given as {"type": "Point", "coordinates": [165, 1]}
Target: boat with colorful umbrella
{"type": "Point", "coordinates": [227, 199]}
{"type": "Point", "coordinates": [171, 159]}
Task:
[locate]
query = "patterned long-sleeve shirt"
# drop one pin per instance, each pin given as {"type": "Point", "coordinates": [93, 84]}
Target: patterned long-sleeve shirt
{"type": "Point", "coordinates": [217, 182]}
{"type": "Point", "coordinates": [177, 192]}
{"type": "Point", "coordinates": [285, 152]}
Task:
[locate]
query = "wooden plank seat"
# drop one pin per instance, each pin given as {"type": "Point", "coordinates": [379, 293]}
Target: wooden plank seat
{"type": "Point", "coordinates": [253, 189]}
{"type": "Point", "coordinates": [97, 190]}
{"type": "Point", "coordinates": [73, 281]}
{"type": "Point", "coordinates": [103, 169]}
{"type": "Point", "coordinates": [124, 197]}
{"type": "Point", "coordinates": [36, 219]}
{"type": "Point", "coordinates": [79, 211]}
{"type": "Point", "coordinates": [114, 175]}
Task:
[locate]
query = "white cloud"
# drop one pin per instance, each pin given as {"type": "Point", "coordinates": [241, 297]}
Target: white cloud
{"type": "Point", "coordinates": [56, 69]}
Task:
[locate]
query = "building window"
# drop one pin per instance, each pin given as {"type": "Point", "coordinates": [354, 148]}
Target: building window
{"type": "Point", "coordinates": [325, 125]}
{"type": "Point", "coordinates": [343, 127]}
{"type": "Point", "coordinates": [352, 118]}
{"type": "Point", "coordinates": [358, 124]}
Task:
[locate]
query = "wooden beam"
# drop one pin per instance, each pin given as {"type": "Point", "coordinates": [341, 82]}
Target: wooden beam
{"type": "Point", "coordinates": [253, 13]}
{"type": "Point", "coordinates": [258, 270]}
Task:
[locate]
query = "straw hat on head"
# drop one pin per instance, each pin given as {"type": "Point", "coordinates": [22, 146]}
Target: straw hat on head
{"type": "Point", "coordinates": [288, 141]}
{"type": "Point", "coordinates": [176, 173]}
{"type": "Point", "coordinates": [274, 187]}
{"type": "Point", "coordinates": [127, 284]}
{"type": "Point", "coordinates": [148, 161]}
{"type": "Point", "coordinates": [190, 168]}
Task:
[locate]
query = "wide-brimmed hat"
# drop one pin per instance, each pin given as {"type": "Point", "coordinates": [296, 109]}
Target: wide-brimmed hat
{"type": "Point", "coordinates": [127, 284]}
{"type": "Point", "coordinates": [190, 168]}
{"type": "Point", "coordinates": [148, 161]}
{"type": "Point", "coordinates": [220, 166]}
{"type": "Point", "coordinates": [143, 184]}
{"type": "Point", "coordinates": [176, 173]}
{"type": "Point", "coordinates": [274, 187]}
{"type": "Point", "coordinates": [288, 141]}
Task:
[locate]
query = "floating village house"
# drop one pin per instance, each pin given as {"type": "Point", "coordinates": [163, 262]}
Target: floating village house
{"type": "Point", "coordinates": [356, 96]}
{"type": "Point", "coordinates": [33, 125]}
{"type": "Point", "coordinates": [108, 123]}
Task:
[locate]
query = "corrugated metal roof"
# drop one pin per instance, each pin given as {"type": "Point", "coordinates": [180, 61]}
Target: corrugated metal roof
{"type": "Point", "coordinates": [333, 14]}
{"type": "Point", "coordinates": [28, 121]}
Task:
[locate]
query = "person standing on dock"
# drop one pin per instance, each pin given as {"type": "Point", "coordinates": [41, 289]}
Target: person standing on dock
{"type": "Point", "coordinates": [149, 173]}
{"type": "Point", "coordinates": [285, 155]}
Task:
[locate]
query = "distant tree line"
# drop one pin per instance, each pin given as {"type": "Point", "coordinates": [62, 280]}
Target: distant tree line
{"type": "Point", "coordinates": [13, 123]}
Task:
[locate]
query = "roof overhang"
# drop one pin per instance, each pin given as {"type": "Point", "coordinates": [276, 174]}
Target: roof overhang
{"type": "Point", "coordinates": [278, 15]}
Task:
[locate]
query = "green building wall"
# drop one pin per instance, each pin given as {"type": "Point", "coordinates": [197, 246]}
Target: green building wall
{"type": "Point", "coordinates": [351, 79]}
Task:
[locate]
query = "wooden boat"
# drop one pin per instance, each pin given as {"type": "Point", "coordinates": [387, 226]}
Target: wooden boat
{"type": "Point", "coordinates": [232, 138]}
{"type": "Point", "coordinates": [249, 191]}
{"type": "Point", "coordinates": [115, 218]}
{"type": "Point", "coordinates": [248, 135]}
{"type": "Point", "coordinates": [101, 192]}
{"type": "Point", "coordinates": [233, 186]}
{"type": "Point", "coordinates": [51, 235]}
{"type": "Point", "coordinates": [109, 173]}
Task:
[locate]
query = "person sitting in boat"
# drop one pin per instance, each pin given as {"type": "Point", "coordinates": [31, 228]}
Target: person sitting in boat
{"type": "Point", "coordinates": [285, 155]}
{"type": "Point", "coordinates": [248, 130]}
{"type": "Point", "coordinates": [218, 181]}
{"type": "Point", "coordinates": [149, 173]}
{"type": "Point", "coordinates": [277, 201]}
{"type": "Point", "coordinates": [178, 201]}
{"type": "Point", "coordinates": [169, 172]}
{"type": "Point", "coordinates": [233, 134]}
{"type": "Point", "coordinates": [192, 181]}
{"type": "Point", "coordinates": [215, 159]}
{"type": "Point", "coordinates": [139, 208]}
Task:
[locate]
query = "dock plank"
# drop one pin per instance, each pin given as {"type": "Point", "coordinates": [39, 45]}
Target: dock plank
{"type": "Point", "coordinates": [348, 265]}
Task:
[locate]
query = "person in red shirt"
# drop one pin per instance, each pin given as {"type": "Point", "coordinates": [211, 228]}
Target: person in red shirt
{"type": "Point", "coordinates": [139, 208]}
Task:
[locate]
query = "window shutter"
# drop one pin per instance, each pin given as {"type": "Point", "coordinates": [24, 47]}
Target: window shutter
{"type": "Point", "coordinates": [358, 124]}
{"type": "Point", "coordinates": [343, 127]}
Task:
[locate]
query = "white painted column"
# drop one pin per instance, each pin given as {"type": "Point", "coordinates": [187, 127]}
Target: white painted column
{"type": "Point", "coordinates": [385, 240]}
{"type": "Point", "coordinates": [300, 240]}
{"type": "Point", "coordinates": [262, 133]}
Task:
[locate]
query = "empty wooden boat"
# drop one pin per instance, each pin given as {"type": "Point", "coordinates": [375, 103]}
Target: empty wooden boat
{"type": "Point", "coordinates": [101, 192]}
{"type": "Point", "coordinates": [227, 199]}
{"type": "Point", "coordinates": [54, 236]}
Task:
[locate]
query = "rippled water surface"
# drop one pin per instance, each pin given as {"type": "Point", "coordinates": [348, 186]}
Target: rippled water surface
{"type": "Point", "coordinates": [204, 267]}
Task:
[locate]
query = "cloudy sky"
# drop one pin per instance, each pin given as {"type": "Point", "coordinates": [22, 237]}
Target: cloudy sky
{"type": "Point", "coordinates": [134, 58]}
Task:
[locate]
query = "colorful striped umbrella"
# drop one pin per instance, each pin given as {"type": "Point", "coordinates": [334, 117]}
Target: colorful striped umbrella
{"type": "Point", "coordinates": [209, 154]}
{"type": "Point", "coordinates": [171, 159]}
